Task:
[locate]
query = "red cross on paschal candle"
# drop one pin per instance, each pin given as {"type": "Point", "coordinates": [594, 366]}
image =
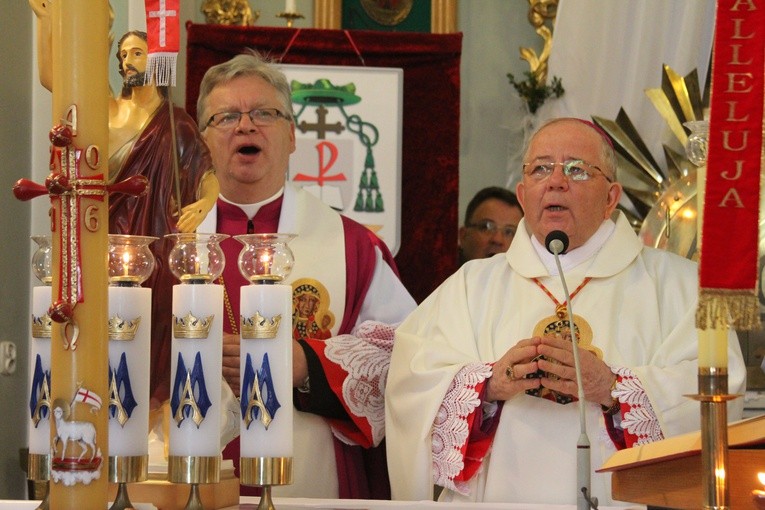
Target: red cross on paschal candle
{"type": "Point", "coordinates": [66, 188]}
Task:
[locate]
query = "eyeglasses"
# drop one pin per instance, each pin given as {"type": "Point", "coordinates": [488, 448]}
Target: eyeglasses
{"type": "Point", "coordinates": [489, 227]}
{"type": "Point", "coordinates": [575, 169]}
{"type": "Point", "coordinates": [258, 116]}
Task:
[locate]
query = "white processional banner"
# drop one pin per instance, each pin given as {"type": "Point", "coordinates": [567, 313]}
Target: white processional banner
{"type": "Point", "coordinates": [348, 137]}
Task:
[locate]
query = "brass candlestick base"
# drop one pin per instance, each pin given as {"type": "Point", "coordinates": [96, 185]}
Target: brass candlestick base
{"type": "Point", "coordinates": [123, 470]}
{"type": "Point", "coordinates": [713, 396]}
{"type": "Point", "coordinates": [45, 503]}
{"type": "Point", "coordinates": [193, 470]}
{"type": "Point", "coordinates": [194, 502]}
{"type": "Point", "coordinates": [266, 503]}
{"type": "Point", "coordinates": [290, 17]}
{"type": "Point", "coordinates": [38, 470]}
{"type": "Point", "coordinates": [265, 472]}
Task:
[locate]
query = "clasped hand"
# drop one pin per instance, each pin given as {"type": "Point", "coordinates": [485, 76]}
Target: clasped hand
{"type": "Point", "coordinates": [554, 356]}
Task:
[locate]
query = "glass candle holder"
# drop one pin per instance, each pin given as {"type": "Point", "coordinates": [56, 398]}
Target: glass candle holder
{"type": "Point", "coordinates": [265, 257]}
{"type": "Point", "coordinates": [698, 141]}
{"type": "Point", "coordinates": [131, 261]}
{"type": "Point", "coordinates": [41, 259]}
{"type": "Point", "coordinates": [196, 258]}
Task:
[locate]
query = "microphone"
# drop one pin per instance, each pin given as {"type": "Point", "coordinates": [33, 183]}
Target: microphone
{"type": "Point", "coordinates": [557, 243]}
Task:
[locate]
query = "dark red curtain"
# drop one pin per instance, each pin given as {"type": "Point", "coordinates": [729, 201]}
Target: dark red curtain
{"type": "Point", "coordinates": [430, 160]}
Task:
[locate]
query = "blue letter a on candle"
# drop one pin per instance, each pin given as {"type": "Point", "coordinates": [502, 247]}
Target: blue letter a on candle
{"type": "Point", "coordinates": [256, 386]}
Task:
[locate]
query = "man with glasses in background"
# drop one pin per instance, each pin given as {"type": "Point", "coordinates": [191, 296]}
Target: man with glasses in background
{"type": "Point", "coordinates": [482, 390]}
{"type": "Point", "coordinates": [244, 110]}
{"type": "Point", "coordinates": [491, 220]}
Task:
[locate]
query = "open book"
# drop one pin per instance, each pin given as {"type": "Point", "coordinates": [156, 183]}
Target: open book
{"type": "Point", "coordinates": [744, 433]}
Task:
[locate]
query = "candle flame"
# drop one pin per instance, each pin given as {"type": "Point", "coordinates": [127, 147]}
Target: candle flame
{"type": "Point", "coordinates": [761, 477]}
{"type": "Point", "coordinates": [125, 262]}
{"type": "Point", "coordinates": [265, 260]}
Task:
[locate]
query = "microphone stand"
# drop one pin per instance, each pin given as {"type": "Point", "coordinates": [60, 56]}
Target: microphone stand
{"type": "Point", "coordinates": [584, 501]}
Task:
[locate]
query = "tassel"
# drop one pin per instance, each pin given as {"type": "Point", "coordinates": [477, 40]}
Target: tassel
{"type": "Point", "coordinates": [720, 308]}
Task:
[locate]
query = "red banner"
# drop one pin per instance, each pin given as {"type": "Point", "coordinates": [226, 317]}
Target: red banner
{"type": "Point", "coordinates": [163, 34]}
{"type": "Point", "coordinates": [729, 256]}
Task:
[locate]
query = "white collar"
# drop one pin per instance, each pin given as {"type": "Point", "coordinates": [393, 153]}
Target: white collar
{"type": "Point", "coordinates": [250, 210]}
{"type": "Point", "coordinates": [573, 258]}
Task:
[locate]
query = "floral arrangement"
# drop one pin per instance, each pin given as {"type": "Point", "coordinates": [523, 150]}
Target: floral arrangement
{"type": "Point", "coordinates": [534, 92]}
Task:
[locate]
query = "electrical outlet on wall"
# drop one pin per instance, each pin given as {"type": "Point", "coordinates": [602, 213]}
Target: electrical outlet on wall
{"type": "Point", "coordinates": [7, 358]}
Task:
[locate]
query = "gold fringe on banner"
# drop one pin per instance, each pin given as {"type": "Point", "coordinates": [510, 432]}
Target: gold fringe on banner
{"type": "Point", "coordinates": [720, 308]}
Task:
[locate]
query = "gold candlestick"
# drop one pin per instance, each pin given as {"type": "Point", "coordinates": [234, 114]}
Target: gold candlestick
{"type": "Point", "coordinates": [290, 17]}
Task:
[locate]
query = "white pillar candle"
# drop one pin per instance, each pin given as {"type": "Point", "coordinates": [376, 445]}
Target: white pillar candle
{"type": "Point", "coordinates": [129, 354]}
{"type": "Point", "coordinates": [39, 373]}
{"type": "Point", "coordinates": [290, 6]}
{"type": "Point", "coordinates": [269, 301]}
{"type": "Point", "coordinates": [713, 348]}
{"type": "Point", "coordinates": [195, 393]}
{"type": "Point", "coordinates": [713, 342]}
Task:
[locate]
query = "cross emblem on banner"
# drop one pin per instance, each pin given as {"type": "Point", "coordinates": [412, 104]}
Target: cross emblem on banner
{"type": "Point", "coordinates": [67, 188]}
{"type": "Point", "coordinates": [163, 13]}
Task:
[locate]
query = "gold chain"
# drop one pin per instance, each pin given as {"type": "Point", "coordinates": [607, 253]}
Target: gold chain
{"type": "Point", "coordinates": [229, 309]}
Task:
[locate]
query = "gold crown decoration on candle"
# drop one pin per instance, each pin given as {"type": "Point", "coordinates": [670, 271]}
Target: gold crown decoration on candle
{"type": "Point", "coordinates": [41, 326]}
{"type": "Point", "coordinates": [192, 327]}
{"type": "Point", "coordinates": [259, 327]}
{"type": "Point", "coordinates": [123, 329]}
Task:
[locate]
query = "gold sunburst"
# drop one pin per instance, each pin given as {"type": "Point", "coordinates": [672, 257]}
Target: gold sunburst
{"type": "Point", "coordinates": [664, 197]}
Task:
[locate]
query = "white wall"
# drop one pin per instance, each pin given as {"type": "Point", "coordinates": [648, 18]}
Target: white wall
{"type": "Point", "coordinates": [491, 111]}
{"type": "Point", "coordinates": [15, 129]}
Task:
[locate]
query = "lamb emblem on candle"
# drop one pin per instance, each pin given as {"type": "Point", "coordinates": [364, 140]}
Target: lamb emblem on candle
{"type": "Point", "coordinates": [65, 467]}
{"type": "Point", "coordinates": [121, 399]}
{"type": "Point", "coordinates": [256, 385]}
{"type": "Point", "coordinates": [190, 398]}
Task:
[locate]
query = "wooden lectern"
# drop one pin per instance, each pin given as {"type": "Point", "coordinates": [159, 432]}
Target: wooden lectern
{"type": "Point", "coordinates": [667, 473]}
